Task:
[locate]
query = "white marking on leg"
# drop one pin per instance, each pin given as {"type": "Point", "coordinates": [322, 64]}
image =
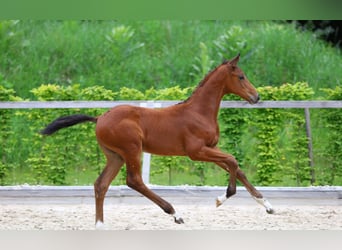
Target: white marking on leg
{"type": "Point", "coordinates": [178, 218]}
{"type": "Point", "coordinates": [263, 202]}
{"type": "Point", "coordinates": [221, 199]}
{"type": "Point", "coordinates": [99, 225]}
{"type": "Point", "coordinates": [175, 215]}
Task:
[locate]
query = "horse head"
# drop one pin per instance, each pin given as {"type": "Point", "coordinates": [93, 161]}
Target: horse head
{"type": "Point", "coordinates": [237, 83]}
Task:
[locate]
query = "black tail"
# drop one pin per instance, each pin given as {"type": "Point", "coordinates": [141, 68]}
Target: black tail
{"type": "Point", "coordinates": [66, 121]}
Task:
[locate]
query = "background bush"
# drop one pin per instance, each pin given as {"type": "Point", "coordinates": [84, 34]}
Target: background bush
{"type": "Point", "coordinates": [279, 155]}
{"type": "Point", "coordinates": [159, 54]}
{"type": "Point", "coordinates": [164, 60]}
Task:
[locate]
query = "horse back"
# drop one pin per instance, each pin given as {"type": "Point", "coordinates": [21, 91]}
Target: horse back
{"type": "Point", "coordinates": [158, 131]}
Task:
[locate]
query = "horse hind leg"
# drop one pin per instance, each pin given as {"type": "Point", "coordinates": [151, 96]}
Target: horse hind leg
{"type": "Point", "coordinates": [134, 181]}
{"type": "Point", "coordinates": [101, 185]}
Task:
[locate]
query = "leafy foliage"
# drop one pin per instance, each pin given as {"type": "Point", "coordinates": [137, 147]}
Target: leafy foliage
{"type": "Point", "coordinates": [140, 60]}
{"type": "Point", "coordinates": [6, 144]}
{"type": "Point", "coordinates": [159, 54]}
{"type": "Point", "coordinates": [332, 120]}
{"type": "Point", "coordinates": [269, 144]}
{"type": "Point", "coordinates": [272, 122]}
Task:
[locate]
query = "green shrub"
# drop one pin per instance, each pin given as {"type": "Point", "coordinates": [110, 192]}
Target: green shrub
{"type": "Point", "coordinates": [270, 144]}
{"type": "Point", "coordinates": [281, 142]}
{"type": "Point", "coordinates": [331, 171]}
{"type": "Point", "coordinates": [159, 54]}
{"type": "Point", "coordinates": [7, 141]}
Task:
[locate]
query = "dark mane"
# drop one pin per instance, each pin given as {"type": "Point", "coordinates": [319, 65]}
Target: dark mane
{"type": "Point", "coordinates": [203, 81]}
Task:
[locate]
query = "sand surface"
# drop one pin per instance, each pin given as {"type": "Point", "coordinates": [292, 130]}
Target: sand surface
{"type": "Point", "coordinates": [150, 217]}
{"type": "Point", "coordinates": [72, 208]}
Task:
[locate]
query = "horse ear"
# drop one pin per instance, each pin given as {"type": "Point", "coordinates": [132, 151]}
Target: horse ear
{"type": "Point", "coordinates": [235, 60]}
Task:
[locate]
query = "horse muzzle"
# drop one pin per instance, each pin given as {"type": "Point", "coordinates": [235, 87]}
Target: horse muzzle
{"type": "Point", "coordinates": [253, 99]}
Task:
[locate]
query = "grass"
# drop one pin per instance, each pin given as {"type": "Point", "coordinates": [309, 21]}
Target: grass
{"type": "Point", "coordinates": [144, 54]}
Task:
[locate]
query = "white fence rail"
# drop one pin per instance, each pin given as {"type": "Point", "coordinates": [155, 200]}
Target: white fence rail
{"type": "Point", "coordinates": [162, 104]}
{"type": "Point", "coordinates": [306, 105]}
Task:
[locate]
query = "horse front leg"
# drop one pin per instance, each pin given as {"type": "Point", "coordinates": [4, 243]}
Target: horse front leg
{"type": "Point", "coordinates": [231, 190]}
{"type": "Point", "coordinates": [225, 161]}
{"type": "Point", "coordinates": [229, 164]}
{"type": "Point", "coordinates": [258, 197]}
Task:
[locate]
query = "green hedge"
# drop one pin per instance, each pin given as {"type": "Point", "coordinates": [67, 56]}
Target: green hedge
{"type": "Point", "coordinates": [160, 53]}
{"type": "Point", "coordinates": [270, 144]}
{"type": "Point", "coordinates": [330, 122]}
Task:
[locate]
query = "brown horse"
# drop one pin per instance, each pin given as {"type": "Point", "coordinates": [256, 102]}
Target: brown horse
{"type": "Point", "coordinates": [189, 128]}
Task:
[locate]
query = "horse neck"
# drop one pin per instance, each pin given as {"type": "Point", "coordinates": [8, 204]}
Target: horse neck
{"type": "Point", "coordinates": [207, 97]}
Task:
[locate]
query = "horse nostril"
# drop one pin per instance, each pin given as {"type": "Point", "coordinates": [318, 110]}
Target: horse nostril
{"type": "Point", "coordinates": [252, 99]}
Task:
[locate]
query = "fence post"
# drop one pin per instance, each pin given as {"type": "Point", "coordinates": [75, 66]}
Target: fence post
{"type": "Point", "coordinates": [146, 164]}
{"type": "Point", "coordinates": [310, 149]}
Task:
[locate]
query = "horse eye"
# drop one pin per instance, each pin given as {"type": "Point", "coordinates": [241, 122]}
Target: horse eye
{"type": "Point", "coordinates": [241, 78]}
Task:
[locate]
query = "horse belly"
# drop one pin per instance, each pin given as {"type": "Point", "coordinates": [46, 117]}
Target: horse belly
{"type": "Point", "coordinates": [163, 143]}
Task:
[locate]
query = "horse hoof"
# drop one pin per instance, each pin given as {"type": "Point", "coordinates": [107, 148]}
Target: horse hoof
{"type": "Point", "coordinates": [179, 220]}
{"type": "Point", "coordinates": [100, 226]}
{"type": "Point", "coordinates": [218, 202]}
{"type": "Point", "coordinates": [270, 211]}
